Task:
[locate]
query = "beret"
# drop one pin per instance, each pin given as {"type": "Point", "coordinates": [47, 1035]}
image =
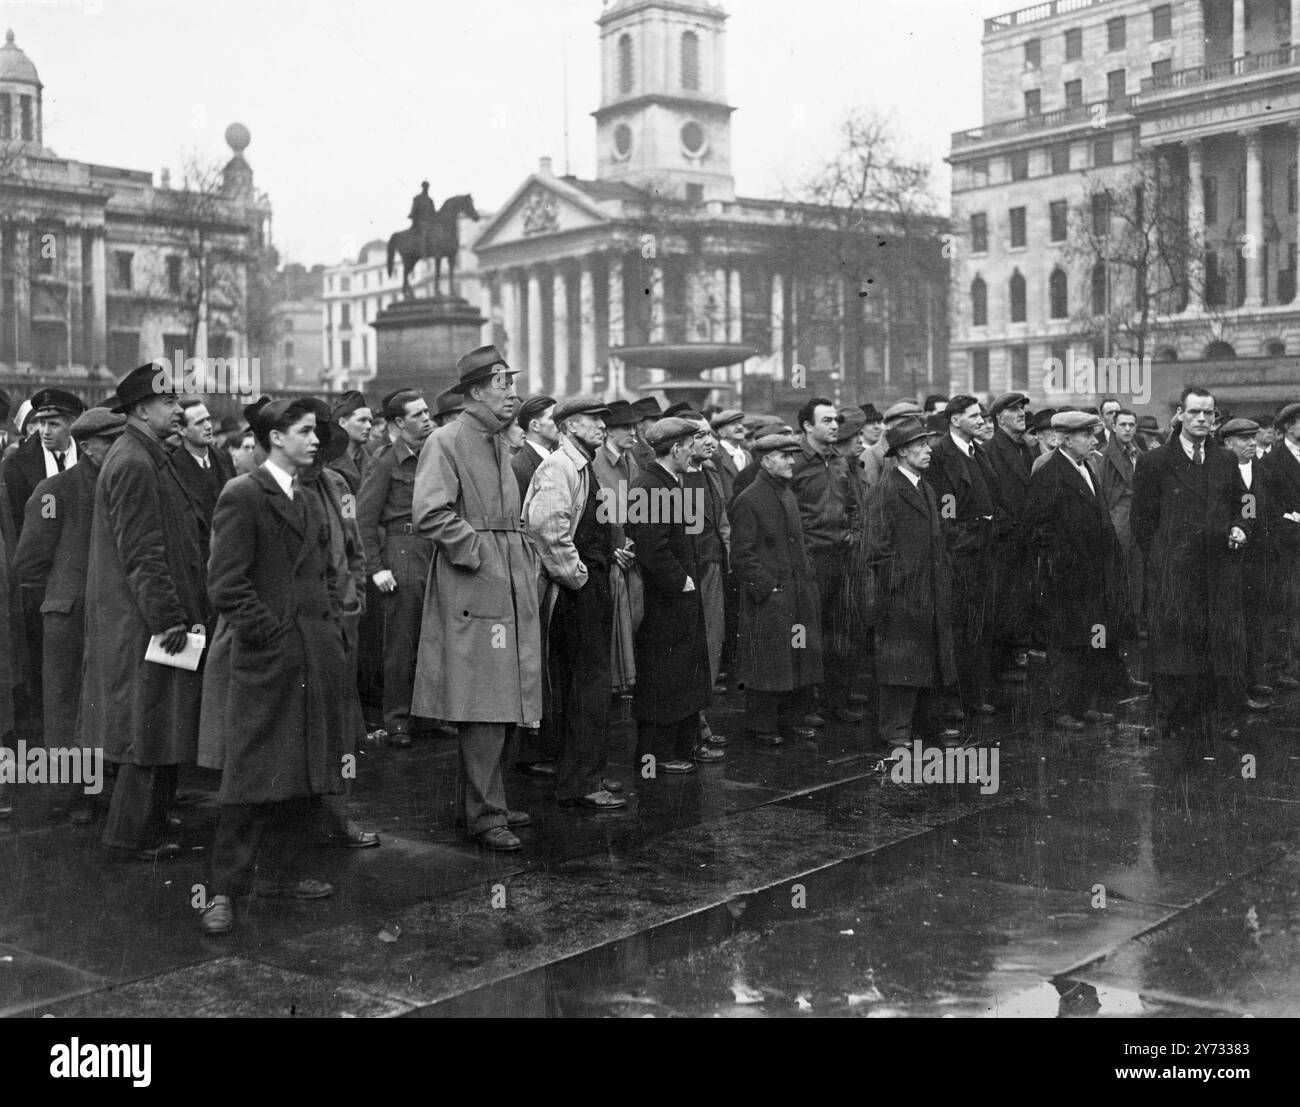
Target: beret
{"type": "Point", "coordinates": [903, 407]}
{"type": "Point", "coordinates": [770, 442]}
{"type": "Point", "coordinates": [1070, 421]}
{"type": "Point", "coordinates": [583, 404]}
{"type": "Point", "coordinates": [727, 415]}
{"type": "Point", "coordinates": [669, 428]}
{"type": "Point", "coordinates": [98, 422]}
{"type": "Point", "coordinates": [1239, 426]}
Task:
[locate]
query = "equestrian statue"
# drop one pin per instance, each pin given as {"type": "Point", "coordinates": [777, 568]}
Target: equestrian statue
{"type": "Point", "coordinates": [433, 234]}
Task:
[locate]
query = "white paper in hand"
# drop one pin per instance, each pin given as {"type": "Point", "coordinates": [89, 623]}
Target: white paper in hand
{"type": "Point", "coordinates": [185, 658]}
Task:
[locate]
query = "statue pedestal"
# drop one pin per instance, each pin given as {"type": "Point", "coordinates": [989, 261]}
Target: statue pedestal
{"type": "Point", "coordinates": [418, 342]}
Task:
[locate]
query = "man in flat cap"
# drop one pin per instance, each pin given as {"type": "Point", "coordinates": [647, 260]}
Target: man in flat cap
{"type": "Point", "coordinates": [779, 651]}
{"type": "Point", "coordinates": [964, 483]}
{"type": "Point", "coordinates": [397, 556]}
{"type": "Point", "coordinates": [1010, 459]}
{"type": "Point", "coordinates": [915, 661]}
{"type": "Point", "coordinates": [53, 557]}
{"type": "Point", "coordinates": [1186, 523]}
{"type": "Point", "coordinates": [649, 411]}
{"type": "Point", "coordinates": [480, 642]}
{"type": "Point", "coordinates": [1080, 575]}
{"type": "Point", "coordinates": [732, 457]}
{"type": "Point", "coordinates": [875, 463]}
{"type": "Point", "coordinates": [673, 682]}
{"type": "Point", "coordinates": [1281, 473]}
{"type": "Point", "coordinates": [576, 543]}
{"type": "Point", "coordinates": [536, 421]}
{"type": "Point", "coordinates": [616, 469]}
{"type": "Point", "coordinates": [353, 414]}
{"type": "Point", "coordinates": [146, 579]}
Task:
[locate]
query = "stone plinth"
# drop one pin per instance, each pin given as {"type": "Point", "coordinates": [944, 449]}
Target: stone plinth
{"type": "Point", "coordinates": [418, 342]}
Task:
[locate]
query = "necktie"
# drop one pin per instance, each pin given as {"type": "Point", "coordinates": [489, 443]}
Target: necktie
{"type": "Point", "coordinates": [1196, 453]}
{"type": "Point", "coordinates": [203, 463]}
{"type": "Point", "coordinates": [59, 461]}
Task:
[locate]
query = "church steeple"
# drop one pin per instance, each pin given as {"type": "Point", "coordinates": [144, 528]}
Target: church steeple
{"type": "Point", "coordinates": [663, 118]}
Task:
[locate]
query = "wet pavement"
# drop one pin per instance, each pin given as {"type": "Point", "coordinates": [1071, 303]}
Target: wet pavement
{"type": "Point", "coordinates": [1107, 876]}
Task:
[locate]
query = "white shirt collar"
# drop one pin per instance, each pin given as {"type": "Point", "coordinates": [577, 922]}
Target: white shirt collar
{"type": "Point", "coordinates": [1187, 447]}
{"type": "Point", "coordinates": [283, 479]}
{"type": "Point", "coordinates": [966, 448]}
{"type": "Point", "coordinates": [69, 458]}
{"type": "Point", "coordinates": [915, 478]}
{"type": "Point", "coordinates": [1295, 450]}
{"type": "Point", "coordinates": [537, 449]}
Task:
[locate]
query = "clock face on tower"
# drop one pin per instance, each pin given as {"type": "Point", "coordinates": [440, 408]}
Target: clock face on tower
{"type": "Point", "coordinates": [694, 139]}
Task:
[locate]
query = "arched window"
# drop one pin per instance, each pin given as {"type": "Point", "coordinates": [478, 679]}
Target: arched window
{"type": "Point", "coordinates": [1275, 347]}
{"type": "Point", "coordinates": [1218, 350]}
{"type": "Point", "coordinates": [979, 303]}
{"type": "Point", "coordinates": [1099, 289]}
{"type": "Point", "coordinates": [1018, 311]}
{"type": "Point", "coordinates": [1058, 293]}
{"type": "Point", "coordinates": [690, 60]}
{"type": "Point", "coordinates": [624, 64]}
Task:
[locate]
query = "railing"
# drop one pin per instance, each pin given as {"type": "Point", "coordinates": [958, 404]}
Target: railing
{"type": "Point", "coordinates": [1037, 12]}
{"type": "Point", "coordinates": [1043, 121]}
{"type": "Point", "coordinates": [1221, 70]}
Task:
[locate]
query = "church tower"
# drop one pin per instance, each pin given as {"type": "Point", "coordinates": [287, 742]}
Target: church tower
{"type": "Point", "coordinates": [663, 119]}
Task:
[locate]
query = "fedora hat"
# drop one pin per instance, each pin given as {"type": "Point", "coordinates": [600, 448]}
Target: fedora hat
{"type": "Point", "coordinates": [145, 382]}
{"type": "Point", "coordinates": [479, 365]}
{"type": "Point", "coordinates": [900, 433]}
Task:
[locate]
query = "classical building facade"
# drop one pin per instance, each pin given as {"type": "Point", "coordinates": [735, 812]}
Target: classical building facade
{"type": "Point", "coordinates": [658, 248]}
{"type": "Point", "coordinates": [101, 269]}
{"type": "Point", "coordinates": [1206, 94]}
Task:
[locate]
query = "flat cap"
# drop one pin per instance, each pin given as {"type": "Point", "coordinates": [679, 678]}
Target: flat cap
{"type": "Point", "coordinates": [903, 407]}
{"type": "Point", "coordinates": [1008, 400]}
{"type": "Point", "coordinates": [851, 420]}
{"type": "Point", "coordinates": [1239, 426]}
{"type": "Point", "coordinates": [531, 408]}
{"type": "Point", "coordinates": [1071, 421]}
{"type": "Point", "coordinates": [583, 404]}
{"type": "Point", "coordinates": [55, 401]}
{"type": "Point", "coordinates": [668, 428]}
{"type": "Point", "coordinates": [98, 422]}
{"type": "Point", "coordinates": [621, 414]}
{"type": "Point", "coordinates": [725, 416]}
{"type": "Point", "coordinates": [1287, 416]}
{"type": "Point", "coordinates": [770, 443]}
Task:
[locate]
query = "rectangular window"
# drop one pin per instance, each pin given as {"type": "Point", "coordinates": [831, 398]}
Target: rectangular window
{"type": "Point", "coordinates": [122, 264]}
{"type": "Point", "coordinates": [979, 172]}
{"type": "Point", "coordinates": [123, 351]}
{"type": "Point", "coordinates": [1162, 22]}
{"type": "Point", "coordinates": [1116, 38]}
{"type": "Point", "coordinates": [1239, 206]}
{"type": "Point", "coordinates": [1059, 351]}
{"type": "Point", "coordinates": [1020, 368]}
{"type": "Point", "coordinates": [174, 275]}
{"type": "Point", "coordinates": [1017, 227]}
{"type": "Point", "coordinates": [1074, 44]}
{"type": "Point", "coordinates": [345, 284]}
{"type": "Point", "coordinates": [1161, 71]}
{"type": "Point", "coordinates": [1100, 214]}
{"type": "Point", "coordinates": [45, 252]}
{"type": "Point", "coordinates": [1020, 165]}
{"type": "Point", "coordinates": [979, 233]}
{"type": "Point", "coordinates": [979, 370]}
{"type": "Point", "coordinates": [1103, 151]}
{"type": "Point", "coordinates": [1033, 53]}
{"type": "Point", "coordinates": [1210, 190]}
{"type": "Point", "coordinates": [1061, 158]}
{"type": "Point", "coordinates": [25, 113]}
{"type": "Point", "coordinates": [345, 317]}
{"type": "Point", "coordinates": [1115, 85]}
{"type": "Point", "coordinates": [345, 354]}
{"type": "Point", "coordinates": [1073, 94]}
{"type": "Point", "coordinates": [6, 118]}
{"type": "Point", "coordinates": [1058, 213]}
{"type": "Point", "coordinates": [1034, 101]}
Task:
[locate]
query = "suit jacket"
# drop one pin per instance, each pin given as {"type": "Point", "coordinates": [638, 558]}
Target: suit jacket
{"type": "Point", "coordinates": [728, 471]}
{"type": "Point", "coordinates": [23, 471]}
{"type": "Point", "coordinates": [1251, 509]}
{"type": "Point", "coordinates": [54, 550]}
{"type": "Point", "coordinates": [966, 531]}
{"type": "Point", "coordinates": [353, 465]}
{"type": "Point", "coordinates": [203, 485]}
{"type": "Point", "coordinates": [1010, 462]}
{"type": "Point", "coordinates": [1116, 473]}
{"type": "Point", "coordinates": [525, 464]}
{"type": "Point", "coordinates": [1282, 477]}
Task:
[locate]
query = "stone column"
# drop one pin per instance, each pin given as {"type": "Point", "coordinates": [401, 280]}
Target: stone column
{"type": "Point", "coordinates": [560, 331]}
{"type": "Point", "coordinates": [536, 352]}
{"type": "Point", "coordinates": [1295, 130]}
{"type": "Point", "coordinates": [587, 327]}
{"type": "Point", "coordinates": [76, 340]}
{"type": "Point", "coordinates": [1238, 28]}
{"type": "Point", "coordinates": [656, 303]}
{"type": "Point", "coordinates": [734, 326]}
{"type": "Point", "coordinates": [510, 318]}
{"type": "Point", "coordinates": [1254, 244]}
{"type": "Point", "coordinates": [614, 382]}
{"type": "Point", "coordinates": [1195, 227]}
{"type": "Point", "coordinates": [778, 327]}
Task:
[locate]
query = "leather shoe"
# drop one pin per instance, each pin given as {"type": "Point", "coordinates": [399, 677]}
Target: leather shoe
{"type": "Point", "coordinates": [1258, 705]}
{"type": "Point", "coordinates": [1260, 690]}
{"type": "Point", "coordinates": [399, 739]}
{"type": "Point", "coordinates": [1067, 722]}
{"type": "Point", "coordinates": [676, 766]}
{"type": "Point", "coordinates": [708, 753]}
{"type": "Point", "coordinates": [539, 768]}
{"type": "Point", "coordinates": [813, 720]}
{"type": "Point", "coordinates": [844, 715]}
{"type": "Point", "coordinates": [500, 839]}
{"type": "Point", "coordinates": [355, 838]}
{"type": "Point", "coordinates": [770, 738]}
{"type": "Point", "coordinates": [614, 786]}
{"type": "Point", "coordinates": [953, 715]}
{"type": "Point", "coordinates": [302, 889]}
{"type": "Point", "coordinates": [799, 733]}
{"type": "Point", "coordinates": [986, 709]}
{"type": "Point", "coordinates": [518, 818]}
{"type": "Point", "coordinates": [1098, 717]}
{"type": "Point", "coordinates": [597, 801]}
{"type": "Point", "coordinates": [218, 916]}
{"type": "Point", "coordinates": [857, 698]}
{"type": "Point", "coordinates": [714, 739]}
{"type": "Point", "coordinates": [1286, 681]}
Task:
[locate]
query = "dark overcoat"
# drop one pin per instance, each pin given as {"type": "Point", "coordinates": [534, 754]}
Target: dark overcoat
{"type": "Point", "coordinates": [203, 485]}
{"type": "Point", "coordinates": [53, 556]}
{"type": "Point", "coordinates": [672, 659]}
{"type": "Point", "coordinates": [145, 575]}
{"type": "Point", "coordinates": [280, 621]}
{"type": "Point", "coordinates": [1077, 561]}
{"type": "Point", "coordinates": [24, 469]}
{"type": "Point", "coordinates": [778, 596]}
{"type": "Point", "coordinates": [1281, 472]}
{"type": "Point", "coordinates": [1181, 521]}
{"type": "Point", "coordinates": [906, 549]}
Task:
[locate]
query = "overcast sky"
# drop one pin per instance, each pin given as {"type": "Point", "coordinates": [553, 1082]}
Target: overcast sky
{"type": "Point", "coordinates": [351, 102]}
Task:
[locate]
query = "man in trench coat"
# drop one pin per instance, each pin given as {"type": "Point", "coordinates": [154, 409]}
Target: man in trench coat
{"type": "Point", "coordinates": [616, 468]}
{"type": "Point", "coordinates": [479, 663]}
{"type": "Point", "coordinates": [779, 650]}
{"type": "Point", "coordinates": [146, 578]}
{"type": "Point", "coordinates": [273, 583]}
{"type": "Point", "coordinates": [914, 643]}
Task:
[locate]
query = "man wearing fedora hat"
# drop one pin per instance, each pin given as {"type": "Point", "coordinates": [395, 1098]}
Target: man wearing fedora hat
{"type": "Point", "coordinates": [146, 579]}
{"type": "Point", "coordinates": [915, 659]}
{"type": "Point", "coordinates": [480, 662]}
{"type": "Point", "coordinates": [615, 469]}
{"type": "Point", "coordinates": [53, 556]}
{"type": "Point", "coordinates": [576, 544]}
{"type": "Point", "coordinates": [874, 463]}
{"type": "Point", "coordinates": [649, 411]}
{"type": "Point", "coordinates": [732, 457]}
{"type": "Point", "coordinates": [446, 406]}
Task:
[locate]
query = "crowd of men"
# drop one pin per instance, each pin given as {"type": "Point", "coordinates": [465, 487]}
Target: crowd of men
{"type": "Point", "coordinates": [264, 597]}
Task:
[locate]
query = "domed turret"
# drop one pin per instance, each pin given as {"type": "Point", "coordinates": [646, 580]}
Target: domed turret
{"type": "Point", "coordinates": [15, 65]}
{"type": "Point", "coordinates": [20, 95]}
{"type": "Point", "coordinates": [237, 177]}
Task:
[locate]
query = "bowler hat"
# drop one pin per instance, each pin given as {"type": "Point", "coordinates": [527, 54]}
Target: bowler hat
{"type": "Point", "coordinates": [145, 382]}
{"type": "Point", "coordinates": [904, 431]}
{"type": "Point", "coordinates": [668, 428]}
{"type": "Point", "coordinates": [55, 401]}
{"type": "Point", "coordinates": [1008, 400]}
{"type": "Point", "coordinates": [480, 365]}
{"type": "Point", "coordinates": [872, 415]}
{"type": "Point", "coordinates": [583, 404]}
{"type": "Point", "coordinates": [531, 408]}
{"type": "Point", "coordinates": [1239, 426]}
{"type": "Point", "coordinates": [98, 422]}
{"type": "Point", "coordinates": [621, 414]}
{"type": "Point", "coordinates": [725, 417]}
{"type": "Point", "coordinates": [1148, 423]}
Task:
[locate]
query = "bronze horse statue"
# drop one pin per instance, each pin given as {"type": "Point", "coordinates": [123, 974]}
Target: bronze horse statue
{"type": "Point", "coordinates": [438, 239]}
